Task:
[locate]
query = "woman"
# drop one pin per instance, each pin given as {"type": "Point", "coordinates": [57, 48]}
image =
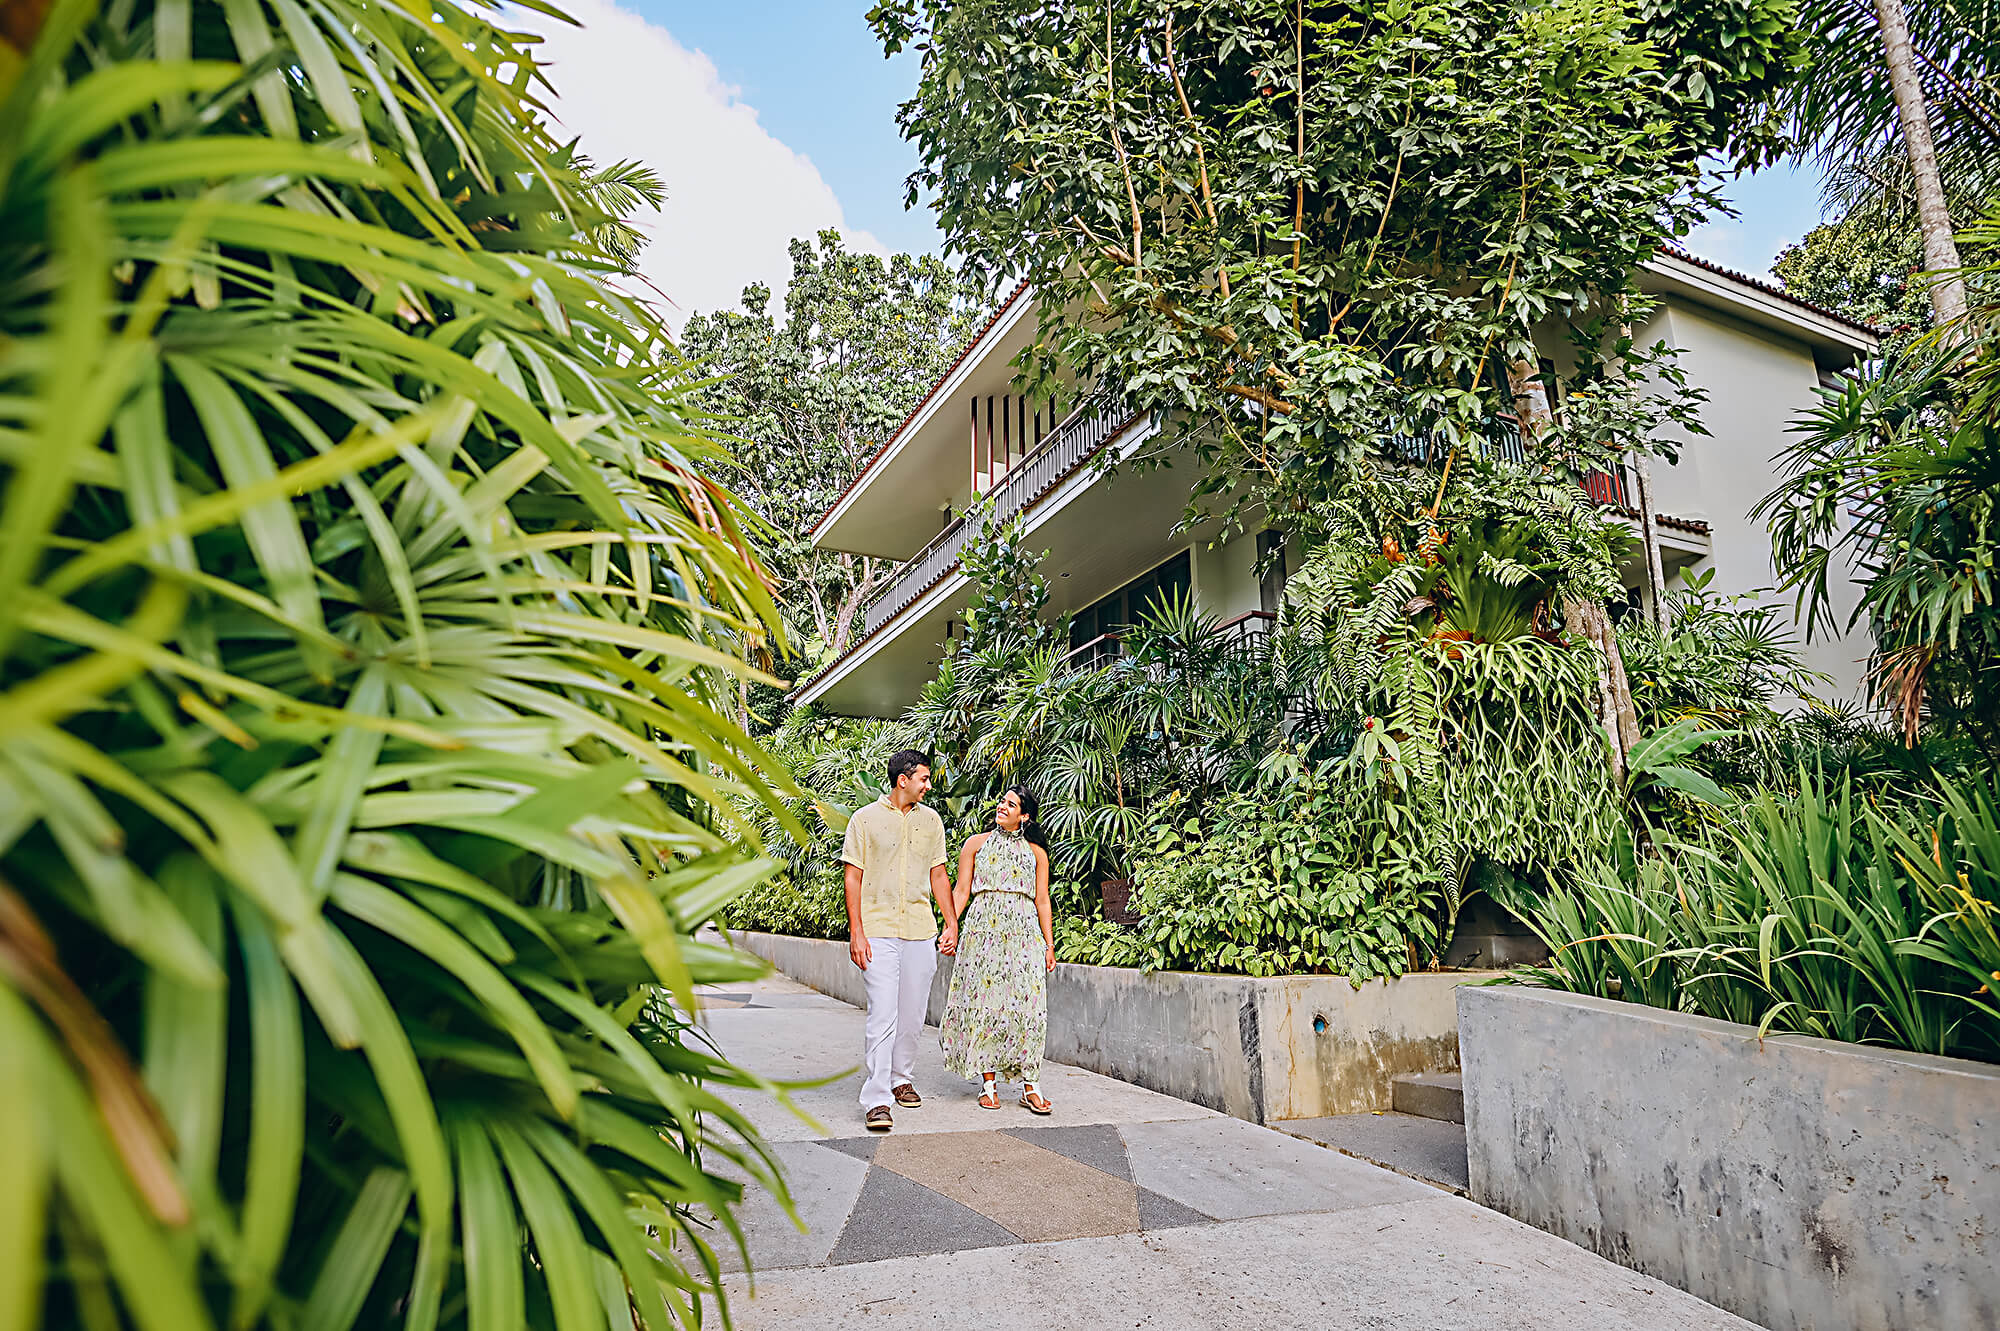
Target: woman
{"type": "Point", "coordinates": [996, 1020]}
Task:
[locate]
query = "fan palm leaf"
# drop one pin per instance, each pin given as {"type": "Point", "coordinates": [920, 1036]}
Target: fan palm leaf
{"type": "Point", "coordinates": [365, 609]}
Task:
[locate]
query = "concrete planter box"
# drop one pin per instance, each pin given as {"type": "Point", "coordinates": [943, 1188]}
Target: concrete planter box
{"type": "Point", "coordinates": [1805, 1184]}
{"type": "Point", "coordinates": [1297, 1046]}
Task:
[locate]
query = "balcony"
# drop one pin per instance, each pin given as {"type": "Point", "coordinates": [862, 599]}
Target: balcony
{"type": "Point", "coordinates": [1072, 444]}
{"type": "Point", "coordinates": [1504, 443]}
{"type": "Point", "coordinates": [1247, 637]}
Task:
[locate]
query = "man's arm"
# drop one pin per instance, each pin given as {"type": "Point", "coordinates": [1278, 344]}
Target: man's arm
{"type": "Point", "coordinates": [941, 890]}
{"type": "Point", "coordinates": [857, 937]}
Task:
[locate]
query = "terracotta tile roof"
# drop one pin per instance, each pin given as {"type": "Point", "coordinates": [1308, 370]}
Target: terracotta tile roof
{"type": "Point", "coordinates": [1768, 288]}
{"type": "Point", "coordinates": [958, 360]}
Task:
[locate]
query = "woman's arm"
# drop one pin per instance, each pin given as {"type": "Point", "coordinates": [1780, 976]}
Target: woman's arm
{"type": "Point", "coordinates": [1043, 907]}
{"type": "Point", "coordinates": [961, 895]}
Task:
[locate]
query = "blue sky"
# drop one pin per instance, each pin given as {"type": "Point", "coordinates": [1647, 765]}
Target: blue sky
{"type": "Point", "coordinates": [819, 82]}
{"type": "Point", "coordinates": [775, 118]}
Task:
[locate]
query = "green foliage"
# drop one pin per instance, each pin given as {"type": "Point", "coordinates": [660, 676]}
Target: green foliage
{"type": "Point", "coordinates": [1012, 593]}
{"type": "Point", "coordinates": [1719, 675]}
{"type": "Point", "coordinates": [1303, 229]}
{"type": "Point", "coordinates": [1914, 445]}
{"type": "Point", "coordinates": [839, 763]}
{"type": "Point", "coordinates": [1814, 914]}
{"type": "Point", "coordinates": [1274, 881]}
{"type": "Point", "coordinates": [813, 394]}
{"type": "Point", "coordinates": [364, 610]}
{"type": "Point", "coordinates": [805, 906]}
{"type": "Point", "coordinates": [1085, 941]}
{"type": "Point", "coordinates": [1866, 267]}
{"type": "Point", "coordinates": [1843, 110]}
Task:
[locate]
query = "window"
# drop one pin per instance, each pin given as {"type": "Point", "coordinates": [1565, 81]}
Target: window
{"type": "Point", "coordinates": [1117, 612]}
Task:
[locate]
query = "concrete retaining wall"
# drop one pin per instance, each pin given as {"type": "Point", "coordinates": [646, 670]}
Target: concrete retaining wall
{"type": "Point", "coordinates": [1804, 1184]}
{"type": "Point", "coordinates": [1297, 1046]}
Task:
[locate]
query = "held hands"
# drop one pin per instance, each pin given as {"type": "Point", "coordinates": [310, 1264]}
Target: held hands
{"type": "Point", "coordinates": [859, 951]}
{"type": "Point", "coordinates": [948, 941]}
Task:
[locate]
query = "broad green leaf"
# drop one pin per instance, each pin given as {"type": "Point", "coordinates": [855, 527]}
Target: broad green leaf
{"type": "Point", "coordinates": [274, 1157]}
{"type": "Point", "coordinates": [560, 1250]}
{"type": "Point", "coordinates": [397, 917]}
{"type": "Point", "coordinates": [354, 1262]}
{"type": "Point", "coordinates": [23, 1201]}
{"type": "Point", "coordinates": [493, 1247]}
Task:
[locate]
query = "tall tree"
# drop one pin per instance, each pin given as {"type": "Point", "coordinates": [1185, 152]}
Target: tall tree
{"type": "Point", "coordinates": [1901, 102]}
{"type": "Point", "coordinates": [813, 395]}
{"type": "Point", "coordinates": [1913, 115]}
{"type": "Point", "coordinates": [1867, 266]}
{"type": "Point", "coordinates": [1309, 224]}
{"type": "Point", "coordinates": [1309, 229]}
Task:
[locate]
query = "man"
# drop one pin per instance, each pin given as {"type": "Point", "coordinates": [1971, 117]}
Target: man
{"type": "Point", "coordinates": [895, 860]}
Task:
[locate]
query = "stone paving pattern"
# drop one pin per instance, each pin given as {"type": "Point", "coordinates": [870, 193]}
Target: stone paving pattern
{"type": "Point", "coordinates": [1125, 1209]}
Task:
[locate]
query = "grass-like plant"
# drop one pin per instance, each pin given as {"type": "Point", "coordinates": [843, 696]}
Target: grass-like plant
{"type": "Point", "coordinates": [1817, 914]}
{"type": "Point", "coordinates": [363, 605]}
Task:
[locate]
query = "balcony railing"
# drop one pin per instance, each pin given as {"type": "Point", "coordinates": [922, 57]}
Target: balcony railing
{"type": "Point", "coordinates": [1503, 442]}
{"type": "Point", "coordinates": [1247, 637]}
{"type": "Point", "coordinates": [1081, 437]}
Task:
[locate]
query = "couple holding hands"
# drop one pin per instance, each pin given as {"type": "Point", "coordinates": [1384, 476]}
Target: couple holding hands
{"type": "Point", "coordinates": [996, 922]}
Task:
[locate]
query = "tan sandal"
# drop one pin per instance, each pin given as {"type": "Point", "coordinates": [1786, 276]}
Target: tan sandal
{"type": "Point", "coordinates": [1034, 1101]}
{"type": "Point", "coordinates": [989, 1094]}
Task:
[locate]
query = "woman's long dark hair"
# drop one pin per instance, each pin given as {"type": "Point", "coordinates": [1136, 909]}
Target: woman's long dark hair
{"type": "Point", "coordinates": [1030, 806]}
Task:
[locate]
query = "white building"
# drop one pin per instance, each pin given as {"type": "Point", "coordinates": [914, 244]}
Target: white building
{"type": "Point", "coordinates": [1111, 536]}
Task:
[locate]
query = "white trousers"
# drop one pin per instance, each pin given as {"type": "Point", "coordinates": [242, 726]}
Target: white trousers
{"type": "Point", "coordinates": [899, 987]}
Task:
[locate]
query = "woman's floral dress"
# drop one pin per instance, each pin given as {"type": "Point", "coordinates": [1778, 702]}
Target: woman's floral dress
{"type": "Point", "coordinates": [997, 1017]}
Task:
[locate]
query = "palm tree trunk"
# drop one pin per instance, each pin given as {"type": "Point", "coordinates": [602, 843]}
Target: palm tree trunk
{"type": "Point", "coordinates": [1933, 217]}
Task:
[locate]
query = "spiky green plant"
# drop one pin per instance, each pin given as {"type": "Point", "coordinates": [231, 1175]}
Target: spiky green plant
{"type": "Point", "coordinates": [1818, 913]}
{"type": "Point", "coordinates": [362, 608]}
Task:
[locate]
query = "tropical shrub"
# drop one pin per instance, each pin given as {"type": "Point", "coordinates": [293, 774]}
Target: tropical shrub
{"type": "Point", "coordinates": [1276, 881]}
{"type": "Point", "coordinates": [365, 609]}
{"type": "Point", "coordinates": [804, 906]}
{"type": "Point", "coordinates": [1896, 475]}
{"type": "Point", "coordinates": [838, 763]}
{"type": "Point", "coordinates": [1817, 914]}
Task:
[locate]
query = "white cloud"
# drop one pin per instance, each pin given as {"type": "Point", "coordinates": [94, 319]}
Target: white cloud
{"type": "Point", "coordinates": [735, 195]}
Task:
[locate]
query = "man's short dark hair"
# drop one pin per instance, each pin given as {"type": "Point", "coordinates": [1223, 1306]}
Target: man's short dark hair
{"type": "Point", "coordinates": [902, 763]}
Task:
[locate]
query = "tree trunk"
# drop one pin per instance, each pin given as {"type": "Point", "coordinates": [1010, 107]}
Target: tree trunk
{"type": "Point", "coordinates": [1933, 217]}
{"type": "Point", "coordinates": [1649, 536]}
{"type": "Point", "coordinates": [1585, 620]}
{"type": "Point", "coordinates": [1588, 621]}
{"type": "Point", "coordinates": [1649, 526]}
{"type": "Point", "coordinates": [851, 602]}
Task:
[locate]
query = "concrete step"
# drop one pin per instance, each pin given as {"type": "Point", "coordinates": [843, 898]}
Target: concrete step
{"type": "Point", "coordinates": [1427, 1149]}
{"type": "Point", "coordinates": [1439, 1095]}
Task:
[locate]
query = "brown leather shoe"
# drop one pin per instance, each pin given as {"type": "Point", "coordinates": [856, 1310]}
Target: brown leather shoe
{"type": "Point", "coordinates": [878, 1119]}
{"type": "Point", "coordinates": [906, 1096]}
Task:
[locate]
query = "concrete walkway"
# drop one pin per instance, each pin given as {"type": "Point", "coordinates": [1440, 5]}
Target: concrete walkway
{"type": "Point", "coordinates": [1125, 1209]}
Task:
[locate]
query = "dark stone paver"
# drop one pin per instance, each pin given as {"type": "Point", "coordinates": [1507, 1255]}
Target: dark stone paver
{"type": "Point", "coordinates": [1095, 1144]}
{"type": "Point", "coordinates": [1157, 1212]}
{"type": "Point", "coordinates": [861, 1148]}
{"type": "Point", "coordinates": [895, 1217]}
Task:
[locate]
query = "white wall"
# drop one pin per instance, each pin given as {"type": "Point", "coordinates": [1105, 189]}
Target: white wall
{"type": "Point", "coordinates": [1758, 383]}
{"type": "Point", "coordinates": [1225, 578]}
